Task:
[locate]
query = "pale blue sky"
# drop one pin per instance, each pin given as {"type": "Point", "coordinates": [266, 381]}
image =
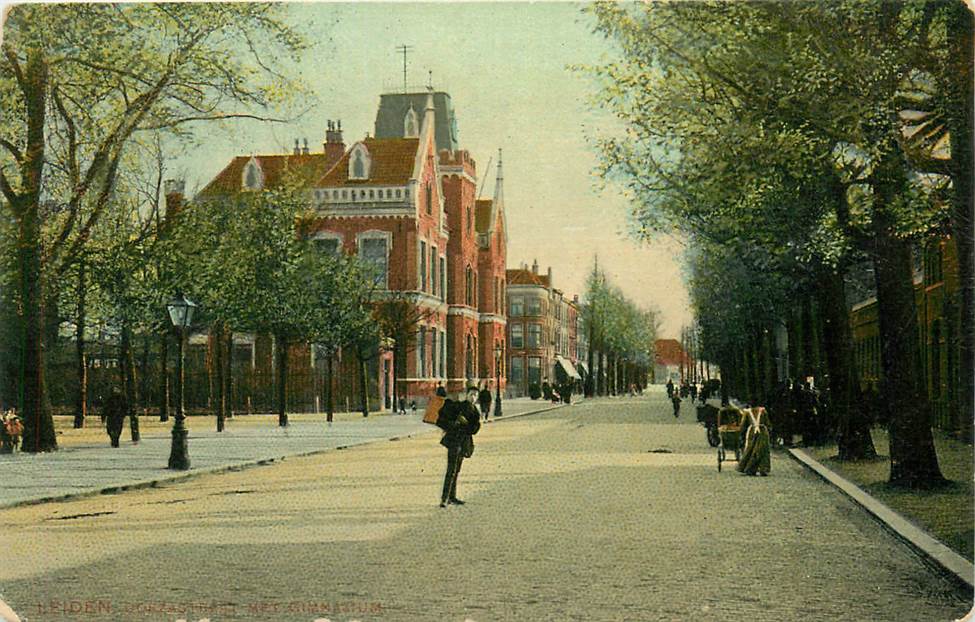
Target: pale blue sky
{"type": "Point", "coordinates": [504, 66]}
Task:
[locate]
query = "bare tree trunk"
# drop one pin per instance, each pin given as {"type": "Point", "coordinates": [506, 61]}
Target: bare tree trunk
{"type": "Point", "coordinates": [228, 374]}
{"type": "Point", "coordinates": [329, 397]}
{"type": "Point", "coordinates": [281, 353]}
{"type": "Point", "coordinates": [164, 375]}
{"type": "Point", "coordinates": [219, 401]}
{"type": "Point", "coordinates": [913, 461]}
{"type": "Point", "coordinates": [853, 428]}
{"type": "Point", "coordinates": [38, 423]}
{"type": "Point", "coordinates": [128, 379]}
{"type": "Point", "coordinates": [81, 398]}
{"type": "Point", "coordinates": [363, 384]}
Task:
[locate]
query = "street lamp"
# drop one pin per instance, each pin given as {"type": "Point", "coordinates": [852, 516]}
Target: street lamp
{"type": "Point", "coordinates": [498, 355]}
{"type": "Point", "coordinates": [181, 313]}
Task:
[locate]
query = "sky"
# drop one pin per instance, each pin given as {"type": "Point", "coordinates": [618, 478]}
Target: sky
{"type": "Point", "coordinates": [505, 67]}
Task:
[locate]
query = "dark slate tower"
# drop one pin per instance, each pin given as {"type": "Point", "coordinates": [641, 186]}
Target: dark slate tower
{"type": "Point", "coordinates": [392, 120]}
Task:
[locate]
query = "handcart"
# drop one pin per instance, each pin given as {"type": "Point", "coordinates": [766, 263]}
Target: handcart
{"type": "Point", "coordinates": [729, 421]}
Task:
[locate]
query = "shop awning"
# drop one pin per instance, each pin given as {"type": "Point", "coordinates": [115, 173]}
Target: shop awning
{"type": "Point", "coordinates": [582, 367]}
{"type": "Point", "coordinates": [567, 367]}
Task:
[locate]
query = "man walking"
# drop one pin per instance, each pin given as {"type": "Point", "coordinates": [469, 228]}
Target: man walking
{"type": "Point", "coordinates": [484, 400]}
{"type": "Point", "coordinates": [114, 411]}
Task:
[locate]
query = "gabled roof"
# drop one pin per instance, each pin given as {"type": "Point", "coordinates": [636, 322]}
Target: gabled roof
{"type": "Point", "coordinates": [526, 277]}
{"type": "Point", "coordinates": [392, 164]}
{"type": "Point", "coordinates": [305, 168]}
{"type": "Point", "coordinates": [483, 210]}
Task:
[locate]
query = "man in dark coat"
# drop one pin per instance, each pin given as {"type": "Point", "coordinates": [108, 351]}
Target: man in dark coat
{"type": "Point", "coordinates": [114, 411]}
{"type": "Point", "coordinates": [484, 401]}
{"type": "Point", "coordinates": [460, 422]}
{"type": "Point", "coordinates": [675, 400]}
{"type": "Point", "coordinates": [670, 387]}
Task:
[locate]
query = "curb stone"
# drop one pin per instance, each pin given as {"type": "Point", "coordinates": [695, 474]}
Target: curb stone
{"type": "Point", "coordinates": [930, 549]}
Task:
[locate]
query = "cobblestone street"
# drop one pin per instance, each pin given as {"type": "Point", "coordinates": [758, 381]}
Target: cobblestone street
{"type": "Point", "coordinates": [607, 510]}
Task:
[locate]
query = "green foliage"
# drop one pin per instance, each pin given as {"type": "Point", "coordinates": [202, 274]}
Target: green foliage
{"type": "Point", "coordinates": [757, 131]}
{"type": "Point", "coordinates": [614, 323]}
{"type": "Point", "coordinates": [248, 262]}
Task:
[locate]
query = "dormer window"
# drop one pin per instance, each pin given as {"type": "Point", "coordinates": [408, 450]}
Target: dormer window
{"type": "Point", "coordinates": [359, 162]}
{"type": "Point", "coordinates": [252, 177]}
{"type": "Point", "coordinates": [411, 124]}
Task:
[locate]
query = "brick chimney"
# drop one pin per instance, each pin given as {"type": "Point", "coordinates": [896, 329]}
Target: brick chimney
{"type": "Point", "coordinates": [304, 149]}
{"type": "Point", "coordinates": [334, 146]}
{"type": "Point", "coordinates": [173, 189]}
{"type": "Point", "coordinates": [297, 150]}
{"type": "Point", "coordinates": [550, 276]}
{"type": "Point", "coordinates": [535, 267]}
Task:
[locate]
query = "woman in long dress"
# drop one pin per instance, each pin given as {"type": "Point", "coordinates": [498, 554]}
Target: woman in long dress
{"type": "Point", "coordinates": [756, 458]}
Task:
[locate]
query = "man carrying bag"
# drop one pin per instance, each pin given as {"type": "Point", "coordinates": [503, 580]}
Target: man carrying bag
{"type": "Point", "coordinates": [460, 421]}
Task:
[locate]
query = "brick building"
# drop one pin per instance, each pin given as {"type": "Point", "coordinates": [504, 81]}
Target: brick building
{"type": "Point", "coordinates": [405, 202]}
{"type": "Point", "coordinates": [543, 330]}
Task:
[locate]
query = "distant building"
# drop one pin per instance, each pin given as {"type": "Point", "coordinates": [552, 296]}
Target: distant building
{"type": "Point", "coordinates": [540, 326]}
{"type": "Point", "coordinates": [669, 360]}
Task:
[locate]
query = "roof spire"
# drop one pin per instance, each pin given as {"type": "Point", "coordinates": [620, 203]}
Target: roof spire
{"type": "Point", "coordinates": [499, 183]}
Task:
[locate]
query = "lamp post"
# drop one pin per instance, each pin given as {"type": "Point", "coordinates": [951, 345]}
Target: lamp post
{"type": "Point", "coordinates": [498, 353]}
{"type": "Point", "coordinates": [181, 313]}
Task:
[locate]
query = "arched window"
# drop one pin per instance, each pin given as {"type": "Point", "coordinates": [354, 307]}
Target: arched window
{"type": "Point", "coordinates": [359, 166]}
{"type": "Point", "coordinates": [359, 162]}
{"type": "Point", "coordinates": [470, 287]}
{"type": "Point", "coordinates": [469, 367]}
{"type": "Point", "coordinates": [410, 124]}
{"type": "Point", "coordinates": [253, 176]}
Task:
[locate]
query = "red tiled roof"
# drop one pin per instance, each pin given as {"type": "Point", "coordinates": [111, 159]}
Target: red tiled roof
{"type": "Point", "coordinates": [306, 168]}
{"type": "Point", "coordinates": [482, 215]}
{"type": "Point", "coordinates": [526, 277]}
{"type": "Point", "coordinates": [392, 163]}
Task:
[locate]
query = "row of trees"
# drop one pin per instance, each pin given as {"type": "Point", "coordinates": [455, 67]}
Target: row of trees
{"type": "Point", "coordinates": [790, 142]}
{"type": "Point", "coordinates": [91, 95]}
{"type": "Point", "coordinates": [620, 335]}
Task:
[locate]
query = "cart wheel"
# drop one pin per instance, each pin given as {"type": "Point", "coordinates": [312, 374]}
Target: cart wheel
{"type": "Point", "coordinates": [713, 435]}
{"type": "Point", "coordinates": [719, 461]}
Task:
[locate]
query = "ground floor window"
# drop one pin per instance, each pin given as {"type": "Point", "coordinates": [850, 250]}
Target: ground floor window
{"type": "Point", "coordinates": [534, 370]}
{"type": "Point", "coordinates": [517, 370]}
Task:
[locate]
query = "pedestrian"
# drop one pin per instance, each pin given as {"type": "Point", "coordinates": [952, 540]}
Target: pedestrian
{"type": "Point", "coordinates": [402, 405]}
{"type": "Point", "coordinates": [114, 411]}
{"type": "Point", "coordinates": [754, 436]}
{"type": "Point", "coordinates": [670, 388]}
{"type": "Point", "coordinates": [675, 400]}
{"type": "Point", "coordinates": [413, 406]}
{"type": "Point", "coordinates": [460, 422]}
{"type": "Point", "coordinates": [484, 401]}
{"type": "Point", "coordinates": [693, 391]}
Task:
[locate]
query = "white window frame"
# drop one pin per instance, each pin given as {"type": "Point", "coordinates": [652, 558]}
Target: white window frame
{"type": "Point", "coordinates": [375, 234]}
{"type": "Point", "coordinates": [358, 149]}
{"type": "Point", "coordinates": [330, 235]}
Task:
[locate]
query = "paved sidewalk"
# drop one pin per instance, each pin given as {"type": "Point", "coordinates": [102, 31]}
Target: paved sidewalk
{"type": "Point", "coordinates": [90, 469]}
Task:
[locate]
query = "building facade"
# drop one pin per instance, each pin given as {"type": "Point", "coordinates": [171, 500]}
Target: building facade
{"type": "Point", "coordinates": [542, 331]}
{"type": "Point", "coordinates": [404, 202]}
